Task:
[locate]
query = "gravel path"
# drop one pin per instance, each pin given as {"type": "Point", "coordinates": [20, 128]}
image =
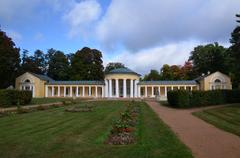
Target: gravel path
{"type": "Point", "coordinates": [205, 140]}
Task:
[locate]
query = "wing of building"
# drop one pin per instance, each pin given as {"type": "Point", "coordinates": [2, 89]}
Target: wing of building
{"type": "Point", "coordinates": [118, 83]}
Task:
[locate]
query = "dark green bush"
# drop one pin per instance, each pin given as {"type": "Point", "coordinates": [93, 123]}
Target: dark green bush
{"type": "Point", "coordinates": [10, 98]}
{"type": "Point", "coordinates": [184, 99]}
{"type": "Point", "coordinates": [179, 98]}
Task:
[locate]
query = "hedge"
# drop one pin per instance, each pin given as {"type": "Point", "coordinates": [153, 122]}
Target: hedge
{"type": "Point", "coordinates": [186, 99]}
{"type": "Point", "coordinates": [10, 98]}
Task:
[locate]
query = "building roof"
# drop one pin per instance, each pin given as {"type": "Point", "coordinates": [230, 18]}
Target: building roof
{"type": "Point", "coordinates": [75, 83]}
{"type": "Point", "coordinates": [124, 70]}
{"type": "Point", "coordinates": [42, 77]}
{"type": "Point", "coordinates": [183, 82]}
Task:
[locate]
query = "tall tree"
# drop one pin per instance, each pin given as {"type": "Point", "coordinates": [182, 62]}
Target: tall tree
{"type": "Point", "coordinates": [187, 71]}
{"type": "Point", "coordinates": [234, 55]}
{"type": "Point", "coordinates": [113, 65]}
{"type": "Point", "coordinates": [58, 65]}
{"type": "Point", "coordinates": [152, 76]}
{"type": "Point", "coordinates": [86, 64]}
{"type": "Point", "coordinates": [9, 60]}
{"type": "Point", "coordinates": [35, 63]}
{"type": "Point", "coordinates": [166, 73]}
{"type": "Point", "coordinates": [211, 57]}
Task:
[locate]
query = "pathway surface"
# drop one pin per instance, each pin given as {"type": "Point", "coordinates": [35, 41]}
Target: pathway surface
{"type": "Point", "coordinates": [205, 140]}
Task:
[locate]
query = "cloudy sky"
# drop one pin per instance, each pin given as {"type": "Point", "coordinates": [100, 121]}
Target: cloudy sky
{"type": "Point", "coordinates": [142, 34]}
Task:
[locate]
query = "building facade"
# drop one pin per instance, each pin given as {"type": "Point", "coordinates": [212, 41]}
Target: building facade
{"type": "Point", "coordinates": [118, 83]}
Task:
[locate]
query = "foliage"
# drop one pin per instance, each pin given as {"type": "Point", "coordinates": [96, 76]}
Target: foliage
{"type": "Point", "coordinates": [58, 65]}
{"type": "Point", "coordinates": [208, 58]}
{"type": "Point", "coordinates": [234, 55]}
{"type": "Point", "coordinates": [185, 99]}
{"type": "Point", "coordinates": [36, 63]}
{"type": "Point", "coordinates": [87, 64]}
{"type": "Point", "coordinates": [112, 66]}
{"type": "Point", "coordinates": [9, 60]}
{"type": "Point", "coordinates": [10, 98]}
{"type": "Point", "coordinates": [152, 76]}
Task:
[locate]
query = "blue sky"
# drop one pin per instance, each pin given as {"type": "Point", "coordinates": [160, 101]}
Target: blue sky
{"type": "Point", "coordinates": [143, 34]}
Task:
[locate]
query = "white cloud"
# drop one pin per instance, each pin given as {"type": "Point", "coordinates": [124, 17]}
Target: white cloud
{"type": "Point", "coordinates": [153, 58]}
{"type": "Point", "coordinates": [141, 24]}
{"type": "Point", "coordinates": [81, 16]}
{"type": "Point", "coordinates": [39, 37]}
{"type": "Point", "coordinates": [16, 36]}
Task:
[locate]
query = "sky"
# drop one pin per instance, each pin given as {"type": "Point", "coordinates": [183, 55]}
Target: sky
{"type": "Point", "coordinates": [142, 34]}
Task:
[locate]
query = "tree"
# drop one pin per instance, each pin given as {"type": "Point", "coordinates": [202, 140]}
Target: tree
{"type": "Point", "coordinates": [166, 73]}
{"type": "Point", "coordinates": [58, 65]}
{"type": "Point", "coordinates": [9, 60]}
{"type": "Point", "coordinates": [35, 64]}
{"type": "Point", "coordinates": [211, 57]}
{"type": "Point", "coordinates": [113, 65]}
{"type": "Point", "coordinates": [234, 55]}
{"type": "Point", "coordinates": [187, 71]}
{"type": "Point", "coordinates": [86, 64]}
{"type": "Point", "coordinates": [176, 72]}
{"type": "Point", "coordinates": [152, 76]}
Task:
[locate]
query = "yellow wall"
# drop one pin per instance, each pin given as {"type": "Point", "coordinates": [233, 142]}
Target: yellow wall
{"type": "Point", "coordinates": [122, 76]}
{"type": "Point", "coordinates": [39, 89]}
{"type": "Point", "coordinates": [205, 83]}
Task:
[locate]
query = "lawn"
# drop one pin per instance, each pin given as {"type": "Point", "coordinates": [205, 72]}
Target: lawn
{"type": "Point", "coordinates": [59, 134]}
{"type": "Point", "coordinates": [226, 118]}
{"type": "Point", "coordinates": [47, 100]}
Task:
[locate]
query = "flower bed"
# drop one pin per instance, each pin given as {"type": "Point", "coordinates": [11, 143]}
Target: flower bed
{"type": "Point", "coordinates": [122, 131]}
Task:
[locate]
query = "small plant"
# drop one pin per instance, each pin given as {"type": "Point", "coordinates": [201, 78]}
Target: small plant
{"type": "Point", "coordinates": [40, 107]}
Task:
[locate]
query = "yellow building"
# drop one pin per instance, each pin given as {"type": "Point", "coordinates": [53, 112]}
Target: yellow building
{"type": "Point", "coordinates": [118, 83]}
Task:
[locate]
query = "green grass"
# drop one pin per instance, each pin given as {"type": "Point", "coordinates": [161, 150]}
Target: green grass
{"type": "Point", "coordinates": [59, 134]}
{"type": "Point", "coordinates": [47, 100]}
{"type": "Point", "coordinates": [226, 118]}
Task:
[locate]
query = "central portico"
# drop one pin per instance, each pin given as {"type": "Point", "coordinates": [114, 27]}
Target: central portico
{"type": "Point", "coordinates": [121, 82]}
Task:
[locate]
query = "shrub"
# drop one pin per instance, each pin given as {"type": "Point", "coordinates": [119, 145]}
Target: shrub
{"type": "Point", "coordinates": [10, 98]}
{"type": "Point", "coordinates": [179, 98]}
{"type": "Point", "coordinates": [184, 99]}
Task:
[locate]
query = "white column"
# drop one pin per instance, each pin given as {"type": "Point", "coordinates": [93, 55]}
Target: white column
{"type": "Point", "coordinates": [165, 91]}
{"type": "Point", "coordinates": [139, 91]}
{"type": "Point", "coordinates": [145, 91]}
{"type": "Point", "coordinates": [102, 91]}
{"type": "Point", "coordinates": [77, 91]}
{"type": "Point", "coordinates": [89, 91]}
{"type": "Point", "coordinates": [185, 87]}
{"type": "Point", "coordinates": [159, 91]}
{"type": "Point", "coordinates": [191, 88]}
{"type": "Point", "coordinates": [135, 88]}
{"type": "Point", "coordinates": [110, 88]}
{"type": "Point", "coordinates": [124, 88]}
{"type": "Point", "coordinates": [70, 91]}
{"type": "Point", "coordinates": [117, 87]}
{"type": "Point", "coordinates": [58, 91]}
{"type": "Point", "coordinates": [83, 91]}
{"type": "Point", "coordinates": [106, 88]}
{"type": "Point", "coordinates": [64, 91]}
{"type": "Point", "coordinates": [152, 91]}
{"type": "Point", "coordinates": [46, 91]}
{"type": "Point", "coordinates": [52, 91]}
{"type": "Point", "coordinates": [96, 91]}
{"type": "Point", "coordinates": [131, 88]}
{"type": "Point", "coordinates": [171, 87]}
{"type": "Point", "coordinates": [178, 87]}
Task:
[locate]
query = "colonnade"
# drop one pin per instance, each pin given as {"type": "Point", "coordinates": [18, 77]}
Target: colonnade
{"type": "Point", "coordinates": [74, 91]}
{"type": "Point", "coordinates": [121, 88]}
{"type": "Point", "coordinates": [161, 90]}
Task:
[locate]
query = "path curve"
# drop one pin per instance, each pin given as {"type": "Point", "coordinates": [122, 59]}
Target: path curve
{"type": "Point", "coordinates": [205, 140]}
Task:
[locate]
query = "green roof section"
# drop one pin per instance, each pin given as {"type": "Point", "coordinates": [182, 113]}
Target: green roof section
{"type": "Point", "coordinates": [180, 82]}
{"type": "Point", "coordinates": [75, 83]}
{"type": "Point", "coordinates": [124, 70]}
